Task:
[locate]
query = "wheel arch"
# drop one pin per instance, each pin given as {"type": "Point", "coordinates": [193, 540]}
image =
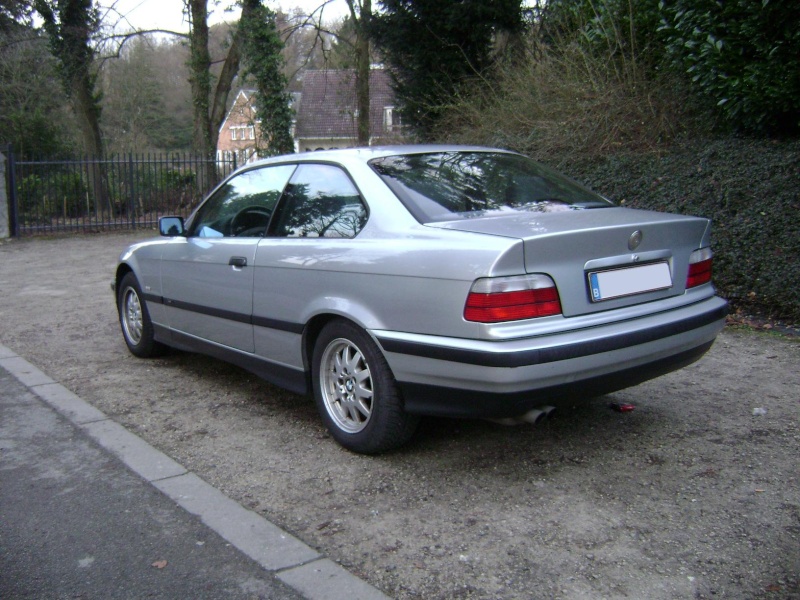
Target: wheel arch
{"type": "Point", "coordinates": [310, 336]}
{"type": "Point", "coordinates": [311, 333]}
{"type": "Point", "coordinates": [122, 270]}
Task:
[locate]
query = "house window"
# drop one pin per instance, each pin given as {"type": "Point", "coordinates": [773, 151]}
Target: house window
{"type": "Point", "coordinates": [388, 118]}
{"type": "Point", "coordinates": [251, 133]}
{"type": "Point", "coordinates": [233, 133]}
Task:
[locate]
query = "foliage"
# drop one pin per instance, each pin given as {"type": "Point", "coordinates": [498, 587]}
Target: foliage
{"type": "Point", "coordinates": [750, 190]}
{"type": "Point", "coordinates": [142, 185]}
{"type": "Point", "coordinates": [70, 25]}
{"type": "Point", "coordinates": [436, 48]}
{"type": "Point", "coordinates": [741, 55]}
{"type": "Point", "coordinates": [136, 115]}
{"type": "Point", "coordinates": [33, 118]}
{"type": "Point", "coordinates": [341, 54]}
{"type": "Point", "coordinates": [622, 30]}
{"type": "Point", "coordinates": [12, 13]}
{"type": "Point", "coordinates": [261, 50]}
{"type": "Point", "coordinates": [573, 103]}
{"type": "Point", "coordinates": [59, 195]}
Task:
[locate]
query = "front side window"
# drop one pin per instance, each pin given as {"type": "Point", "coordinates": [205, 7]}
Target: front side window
{"type": "Point", "coordinates": [243, 206]}
{"type": "Point", "coordinates": [461, 184]}
{"type": "Point", "coordinates": [320, 201]}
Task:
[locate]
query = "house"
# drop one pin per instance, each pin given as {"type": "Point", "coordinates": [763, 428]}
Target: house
{"type": "Point", "coordinates": [325, 116]}
{"type": "Point", "coordinates": [239, 134]}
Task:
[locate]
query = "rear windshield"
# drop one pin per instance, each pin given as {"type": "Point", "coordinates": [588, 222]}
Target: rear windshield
{"type": "Point", "coordinates": [443, 186]}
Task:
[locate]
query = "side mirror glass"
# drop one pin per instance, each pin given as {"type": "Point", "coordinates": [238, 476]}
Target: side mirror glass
{"type": "Point", "coordinates": [171, 226]}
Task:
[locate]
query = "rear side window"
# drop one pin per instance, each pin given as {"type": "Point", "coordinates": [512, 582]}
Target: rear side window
{"type": "Point", "coordinates": [320, 201]}
{"type": "Point", "coordinates": [460, 184]}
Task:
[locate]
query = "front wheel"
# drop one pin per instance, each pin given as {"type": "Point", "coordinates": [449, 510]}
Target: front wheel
{"type": "Point", "coordinates": [355, 391]}
{"type": "Point", "coordinates": [137, 328]}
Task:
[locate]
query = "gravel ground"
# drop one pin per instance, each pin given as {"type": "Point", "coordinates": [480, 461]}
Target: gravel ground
{"type": "Point", "coordinates": [694, 494]}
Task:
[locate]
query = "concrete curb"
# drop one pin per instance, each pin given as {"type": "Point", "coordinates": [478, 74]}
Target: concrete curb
{"type": "Point", "coordinates": [289, 559]}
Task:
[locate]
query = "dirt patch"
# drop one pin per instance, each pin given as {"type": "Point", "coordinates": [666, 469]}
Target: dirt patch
{"type": "Point", "coordinates": [694, 494]}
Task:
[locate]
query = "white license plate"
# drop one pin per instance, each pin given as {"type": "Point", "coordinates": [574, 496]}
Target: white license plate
{"type": "Point", "coordinates": [605, 285]}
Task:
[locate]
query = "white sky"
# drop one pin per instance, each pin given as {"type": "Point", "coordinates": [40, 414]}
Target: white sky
{"type": "Point", "coordinates": [168, 14]}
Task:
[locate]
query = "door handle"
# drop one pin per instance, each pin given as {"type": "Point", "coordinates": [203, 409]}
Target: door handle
{"type": "Point", "coordinates": [238, 261]}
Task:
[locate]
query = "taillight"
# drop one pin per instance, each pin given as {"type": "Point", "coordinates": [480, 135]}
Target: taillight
{"type": "Point", "coordinates": [499, 299]}
{"type": "Point", "coordinates": [699, 267]}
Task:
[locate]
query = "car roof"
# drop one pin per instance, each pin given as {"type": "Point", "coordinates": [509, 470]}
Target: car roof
{"type": "Point", "coordinates": [371, 152]}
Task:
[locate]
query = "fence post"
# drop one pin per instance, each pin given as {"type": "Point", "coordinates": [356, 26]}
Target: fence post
{"type": "Point", "coordinates": [6, 193]}
{"type": "Point", "coordinates": [131, 192]}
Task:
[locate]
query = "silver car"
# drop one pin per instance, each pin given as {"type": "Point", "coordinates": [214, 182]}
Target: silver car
{"type": "Point", "coordinates": [397, 282]}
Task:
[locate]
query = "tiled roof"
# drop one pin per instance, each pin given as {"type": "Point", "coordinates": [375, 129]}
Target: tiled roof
{"type": "Point", "coordinates": [328, 104]}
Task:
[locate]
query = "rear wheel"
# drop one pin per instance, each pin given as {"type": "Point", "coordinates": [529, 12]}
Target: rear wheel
{"type": "Point", "coordinates": [355, 391]}
{"type": "Point", "coordinates": [137, 328]}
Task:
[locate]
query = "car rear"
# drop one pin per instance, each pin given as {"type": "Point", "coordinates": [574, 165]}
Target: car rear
{"type": "Point", "coordinates": [608, 297]}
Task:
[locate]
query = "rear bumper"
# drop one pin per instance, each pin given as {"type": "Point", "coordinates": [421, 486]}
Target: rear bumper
{"type": "Point", "coordinates": [468, 378]}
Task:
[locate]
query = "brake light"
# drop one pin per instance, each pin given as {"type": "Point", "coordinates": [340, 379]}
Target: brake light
{"type": "Point", "coordinates": [700, 263]}
{"type": "Point", "coordinates": [500, 299]}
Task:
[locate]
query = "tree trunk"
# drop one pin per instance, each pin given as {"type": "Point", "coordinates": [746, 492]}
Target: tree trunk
{"type": "Point", "coordinates": [362, 74]}
{"type": "Point", "coordinates": [200, 79]}
{"type": "Point", "coordinates": [86, 111]}
{"type": "Point", "coordinates": [230, 68]}
{"type": "Point", "coordinates": [361, 19]}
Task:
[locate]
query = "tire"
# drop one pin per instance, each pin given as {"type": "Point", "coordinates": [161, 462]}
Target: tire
{"type": "Point", "coordinates": [355, 391]}
{"type": "Point", "coordinates": [137, 328]}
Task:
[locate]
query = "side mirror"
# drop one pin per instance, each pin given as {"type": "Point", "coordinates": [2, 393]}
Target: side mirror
{"type": "Point", "coordinates": [171, 226]}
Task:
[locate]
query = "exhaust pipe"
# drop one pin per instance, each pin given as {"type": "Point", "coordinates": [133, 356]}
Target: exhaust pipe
{"type": "Point", "coordinates": [533, 416]}
{"type": "Point", "coordinates": [548, 411]}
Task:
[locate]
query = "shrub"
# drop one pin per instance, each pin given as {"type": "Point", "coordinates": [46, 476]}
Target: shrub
{"type": "Point", "coordinates": [59, 195]}
{"type": "Point", "coordinates": [742, 56]}
{"type": "Point", "coordinates": [573, 103]}
{"type": "Point", "coordinates": [751, 192]}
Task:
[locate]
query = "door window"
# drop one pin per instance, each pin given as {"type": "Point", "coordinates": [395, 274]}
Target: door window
{"type": "Point", "coordinates": [243, 206]}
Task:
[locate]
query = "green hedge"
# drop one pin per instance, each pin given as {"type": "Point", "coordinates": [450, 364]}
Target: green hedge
{"type": "Point", "coordinates": [751, 191]}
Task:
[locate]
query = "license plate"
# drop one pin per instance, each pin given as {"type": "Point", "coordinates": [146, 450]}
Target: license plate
{"type": "Point", "coordinates": [615, 283]}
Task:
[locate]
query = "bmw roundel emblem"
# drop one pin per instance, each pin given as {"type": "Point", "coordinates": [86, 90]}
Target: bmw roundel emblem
{"type": "Point", "coordinates": [635, 240]}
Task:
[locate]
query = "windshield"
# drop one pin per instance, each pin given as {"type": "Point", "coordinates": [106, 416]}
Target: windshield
{"type": "Point", "coordinates": [443, 186]}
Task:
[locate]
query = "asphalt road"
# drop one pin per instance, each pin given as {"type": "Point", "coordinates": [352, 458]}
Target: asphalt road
{"type": "Point", "coordinates": [76, 523]}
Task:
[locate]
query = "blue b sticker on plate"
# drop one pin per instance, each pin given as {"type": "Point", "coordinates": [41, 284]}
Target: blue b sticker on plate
{"type": "Point", "coordinates": [595, 287]}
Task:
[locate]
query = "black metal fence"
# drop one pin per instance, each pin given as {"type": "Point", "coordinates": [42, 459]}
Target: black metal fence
{"type": "Point", "coordinates": [114, 192]}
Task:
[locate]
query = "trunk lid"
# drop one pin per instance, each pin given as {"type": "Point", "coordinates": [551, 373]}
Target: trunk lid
{"type": "Point", "coordinates": [593, 255]}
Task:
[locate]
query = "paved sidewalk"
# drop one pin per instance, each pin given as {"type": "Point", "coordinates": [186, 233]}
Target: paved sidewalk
{"type": "Point", "coordinates": [88, 510]}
